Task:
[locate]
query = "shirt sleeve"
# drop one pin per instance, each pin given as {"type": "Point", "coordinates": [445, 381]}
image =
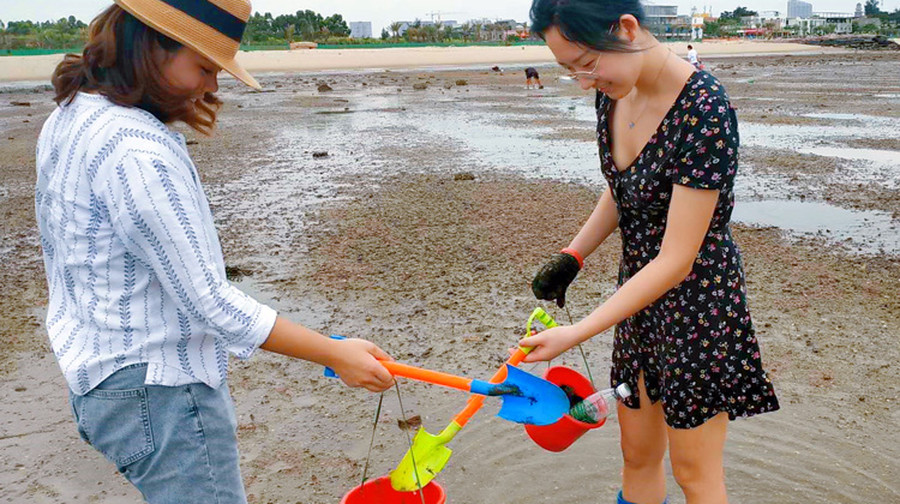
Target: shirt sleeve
{"type": "Point", "coordinates": [708, 158]}
{"type": "Point", "coordinates": [155, 206]}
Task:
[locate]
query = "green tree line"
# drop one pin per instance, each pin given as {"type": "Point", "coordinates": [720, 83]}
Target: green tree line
{"type": "Point", "coordinates": [304, 25]}
{"type": "Point", "coordinates": [264, 29]}
{"type": "Point", "coordinates": [62, 34]}
{"type": "Point", "coordinates": [68, 33]}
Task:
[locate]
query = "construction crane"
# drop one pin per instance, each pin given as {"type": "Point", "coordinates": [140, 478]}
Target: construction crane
{"type": "Point", "coordinates": [438, 14]}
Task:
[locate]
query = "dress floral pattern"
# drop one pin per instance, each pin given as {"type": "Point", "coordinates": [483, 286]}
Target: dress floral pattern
{"type": "Point", "coordinates": [696, 345]}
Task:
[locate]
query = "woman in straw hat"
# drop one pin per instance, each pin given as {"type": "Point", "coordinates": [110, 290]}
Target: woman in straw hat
{"type": "Point", "coordinates": [141, 317]}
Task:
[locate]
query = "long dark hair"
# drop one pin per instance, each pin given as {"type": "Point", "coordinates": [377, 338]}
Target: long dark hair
{"type": "Point", "coordinates": [590, 23]}
{"type": "Point", "coordinates": [118, 62]}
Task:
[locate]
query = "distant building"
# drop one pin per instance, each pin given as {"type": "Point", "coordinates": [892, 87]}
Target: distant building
{"type": "Point", "coordinates": [660, 14]}
{"type": "Point", "coordinates": [842, 21]}
{"type": "Point", "coordinates": [446, 23]}
{"type": "Point", "coordinates": [867, 21]}
{"type": "Point", "coordinates": [508, 25]}
{"type": "Point", "coordinates": [798, 9]}
{"type": "Point", "coordinates": [664, 21]}
{"type": "Point", "coordinates": [360, 29]}
{"type": "Point", "coordinates": [824, 22]}
{"type": "Point", "coordinates": [860, 12]}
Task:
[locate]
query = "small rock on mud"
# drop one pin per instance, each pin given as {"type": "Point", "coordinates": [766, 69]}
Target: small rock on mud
{"type": "Point", "coordinates": [411, 423]}
{"type": "Point", "coordinates": [234, 273]}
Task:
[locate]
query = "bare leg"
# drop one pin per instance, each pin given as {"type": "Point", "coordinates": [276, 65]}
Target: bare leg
{"type": "Point", "coordinates": [643, 449]}
{"type": "Point", "coordinates": [696, 456]}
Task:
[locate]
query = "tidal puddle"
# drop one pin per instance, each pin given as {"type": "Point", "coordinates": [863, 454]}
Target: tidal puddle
{"type": "Point", "coordinates": [521, 150]}
{"type": "Point", "coordinates": [867, 232]}
{"type": "Point", "coordinates": [864, 166]}
{"type": "Point", "coordinates": [851, 117]}
{"type": "Point", "coordinates": [24, 86]}
{"type": "Point", "coordinates": [759, 98]}
{"type": "Point", "coordinates": [793, 137]}
{"type": "Point", "coordinates": [874, 155]}
{"type": "Point", "coordinates": [475, 135]}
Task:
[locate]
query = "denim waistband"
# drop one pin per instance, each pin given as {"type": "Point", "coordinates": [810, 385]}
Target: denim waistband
{"type": "Point", "coordinates": [131, 376]}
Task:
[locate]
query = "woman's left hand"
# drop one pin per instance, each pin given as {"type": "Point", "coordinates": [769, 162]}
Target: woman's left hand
{"type": "Point", "coordinates": [551, 343]}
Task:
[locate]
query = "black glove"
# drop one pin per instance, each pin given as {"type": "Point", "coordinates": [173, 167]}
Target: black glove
{"type": "Point", "coordinates": [554, 278]}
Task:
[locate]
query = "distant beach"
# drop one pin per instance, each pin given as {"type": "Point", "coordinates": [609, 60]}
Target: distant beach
{"type": "Point", "coordinates": [37, 68]}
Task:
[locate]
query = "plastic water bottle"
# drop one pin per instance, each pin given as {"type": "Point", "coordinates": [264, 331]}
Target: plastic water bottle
{"type": "Point", "coordinates": [600, 405]}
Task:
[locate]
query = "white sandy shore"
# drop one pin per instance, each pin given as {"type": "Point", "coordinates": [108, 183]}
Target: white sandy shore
{"type": "Point", "coordinates": [38, 68]}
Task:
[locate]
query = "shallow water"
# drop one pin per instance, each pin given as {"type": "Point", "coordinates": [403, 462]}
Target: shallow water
{"type": "Point", "coordinates": [26, 86]}
{"type": "Point", "coordinates": [889, 157]}
{"type": "Point", "coordinates": [864, 118]}
{"type": "Point", "coordinates": [793, 137]}
{"type": "Point", "coordinates": [871, 232]}
{"type": "Point", "coordinates": [859, 166]}
{"type": "Point", "coordinates": [479, 134]}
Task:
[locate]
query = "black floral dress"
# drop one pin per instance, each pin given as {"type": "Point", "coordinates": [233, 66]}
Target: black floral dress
{"type": "Point", "coordinates": [696, 344]}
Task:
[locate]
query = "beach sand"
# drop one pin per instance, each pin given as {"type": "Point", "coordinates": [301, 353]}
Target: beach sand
{"type": "Point", "coordinates": [36, 68]}
{"type": "Point", "coordinates": [379, 240]}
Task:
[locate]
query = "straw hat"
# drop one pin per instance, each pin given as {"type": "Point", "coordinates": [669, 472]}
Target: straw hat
{"type": "Point", "coordinates": [213, 28]}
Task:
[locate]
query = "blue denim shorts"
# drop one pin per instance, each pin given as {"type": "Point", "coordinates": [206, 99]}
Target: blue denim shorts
{"type": "Point", "coordinates": [175, 444]}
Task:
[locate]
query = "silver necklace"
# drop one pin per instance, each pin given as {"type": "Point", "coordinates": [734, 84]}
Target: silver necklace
{"type": "Point", "coordinates": [631, 124]}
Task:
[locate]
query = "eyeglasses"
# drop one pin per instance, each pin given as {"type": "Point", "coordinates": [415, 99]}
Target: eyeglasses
{"type": "Point", "coordinates": [575, 76]}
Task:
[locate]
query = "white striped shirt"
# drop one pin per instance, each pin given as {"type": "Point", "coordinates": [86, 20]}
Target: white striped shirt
{"type": "Point", "coordinates": [133, 262]}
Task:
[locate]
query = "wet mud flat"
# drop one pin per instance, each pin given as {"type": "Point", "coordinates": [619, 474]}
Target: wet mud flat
{"type": "Point", "coordinates": [383, 239]}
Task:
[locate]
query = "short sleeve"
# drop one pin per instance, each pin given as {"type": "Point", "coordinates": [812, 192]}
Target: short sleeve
{"type": "Point", "coordinates": [708, 158]}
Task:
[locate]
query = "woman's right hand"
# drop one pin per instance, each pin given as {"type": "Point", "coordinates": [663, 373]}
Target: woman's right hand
{"type": "Point", "coordinates": [554, 278]}
{"type": "Point", "coordinates": [357, 363]}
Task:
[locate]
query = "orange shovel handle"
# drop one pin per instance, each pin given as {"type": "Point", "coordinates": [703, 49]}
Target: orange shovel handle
{"type": "Point", "coordinates": [428, 376]}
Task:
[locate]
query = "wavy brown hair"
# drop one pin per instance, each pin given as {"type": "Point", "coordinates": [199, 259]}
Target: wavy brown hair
{"type": "Point", "coordinates": [121, 62]}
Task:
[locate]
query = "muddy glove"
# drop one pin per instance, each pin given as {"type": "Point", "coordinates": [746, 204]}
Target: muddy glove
{"type": "Point", "coordinates": [554, 278]}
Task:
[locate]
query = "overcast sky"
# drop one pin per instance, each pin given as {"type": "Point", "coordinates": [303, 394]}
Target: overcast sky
{"type": "Point", "coordinates": [382, 12]}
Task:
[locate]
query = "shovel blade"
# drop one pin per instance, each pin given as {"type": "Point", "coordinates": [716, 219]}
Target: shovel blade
{"type": "Point", "coordinates": [538, 402]}
{"type": "Point", "coordinates": [430, 454]}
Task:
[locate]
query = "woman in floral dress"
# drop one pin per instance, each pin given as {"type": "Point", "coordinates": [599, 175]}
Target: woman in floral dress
{"type": "Point", "coordinates": [684, 341]}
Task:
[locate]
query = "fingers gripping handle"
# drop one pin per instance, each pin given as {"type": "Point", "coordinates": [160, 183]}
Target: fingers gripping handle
{"type": "Point", "coordinates": [544, 318]}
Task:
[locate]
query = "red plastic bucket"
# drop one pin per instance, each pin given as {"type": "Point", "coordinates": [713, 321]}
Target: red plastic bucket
{"type": "Point", "coordinates": [379, 491]}
{"type": "Point", "coordinates": [560, 435]}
